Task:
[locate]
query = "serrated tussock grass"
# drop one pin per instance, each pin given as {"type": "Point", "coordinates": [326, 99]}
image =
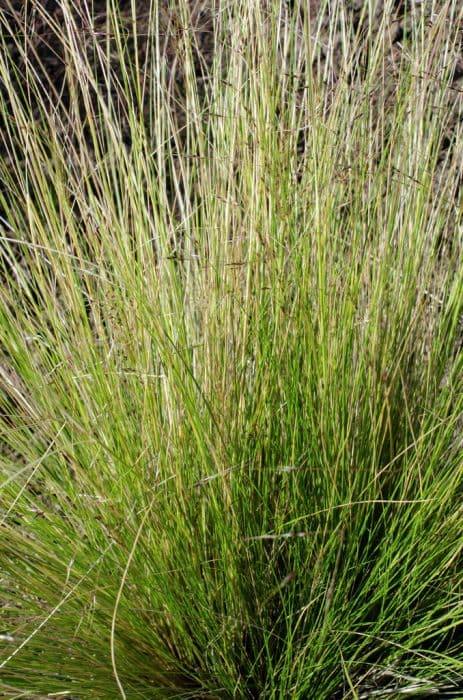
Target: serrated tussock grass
{"type": "Point", "coordinates": [231, 379]}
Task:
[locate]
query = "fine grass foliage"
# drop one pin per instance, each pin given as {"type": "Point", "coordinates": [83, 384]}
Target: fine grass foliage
{"type": "Point", "coordinates": [231, 380]}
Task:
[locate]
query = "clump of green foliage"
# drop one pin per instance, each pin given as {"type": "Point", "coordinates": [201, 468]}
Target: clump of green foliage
{"type": "Point", "coordinates": [232, 384]}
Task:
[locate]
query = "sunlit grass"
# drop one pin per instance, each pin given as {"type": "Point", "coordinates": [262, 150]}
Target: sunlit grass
{"type": "Point", "coordinates": [231, 379]}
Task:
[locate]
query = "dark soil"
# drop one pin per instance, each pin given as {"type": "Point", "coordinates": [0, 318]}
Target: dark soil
{"type": "Point", "coordinates": [40, 22]}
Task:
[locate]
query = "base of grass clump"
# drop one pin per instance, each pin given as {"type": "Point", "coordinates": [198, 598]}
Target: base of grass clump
{"type": "Point", "coordinates": [231, 373]}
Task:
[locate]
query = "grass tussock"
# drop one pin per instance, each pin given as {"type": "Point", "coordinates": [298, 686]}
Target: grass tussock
{"type": "Point", "coordinates": [231, 379]}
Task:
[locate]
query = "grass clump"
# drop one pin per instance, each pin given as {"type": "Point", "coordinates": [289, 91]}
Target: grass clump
{"type": "Point", "coordinates": [231, 385]}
